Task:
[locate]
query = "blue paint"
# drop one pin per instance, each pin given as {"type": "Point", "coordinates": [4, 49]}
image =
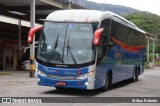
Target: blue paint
{"type": "Point", "coordinates": [75, 83]}
{"type": "Point", "coordinates": [122, 67]}
{"type": "Point", "coordinates": [79, 84]}
{"type": "Point", "coordinates": [121, 62]}
{"type": "Point", "coordinates": [62, 71]}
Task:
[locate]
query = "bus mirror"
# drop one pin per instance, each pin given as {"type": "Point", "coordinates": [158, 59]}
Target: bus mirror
{"type": "Point", "coordinates": [32, 32]}
{"type": "Point", "coordinates": [96, 37]}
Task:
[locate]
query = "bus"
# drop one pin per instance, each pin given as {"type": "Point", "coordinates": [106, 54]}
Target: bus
{"type": "Point", "coordinates": [88, 49]}
{"type": "Point", "coordinates": [25, 56]}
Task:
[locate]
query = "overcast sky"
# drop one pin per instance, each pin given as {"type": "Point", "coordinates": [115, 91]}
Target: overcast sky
{"type": "Point", "coordinates": [144, 5]}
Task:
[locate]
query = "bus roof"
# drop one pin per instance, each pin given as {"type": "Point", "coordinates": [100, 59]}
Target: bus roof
{"type": "Point", "coordinates": [81, 15]}
{"type": "Point", "coordinates": [76, 15]}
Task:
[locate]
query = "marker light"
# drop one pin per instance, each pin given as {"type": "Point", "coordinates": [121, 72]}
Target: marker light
{"type": "Point", "coordinates": [86, 83]}
{"type": "Point", "coordinates": [29, 39]}
{"type": "Point", "coordinates": [96, 40]}
{"type": "Point", "coordinates": [96, 37]}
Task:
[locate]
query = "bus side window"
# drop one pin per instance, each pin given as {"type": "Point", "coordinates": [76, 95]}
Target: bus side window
{"type": "Point", "coordinates": [102, 48]}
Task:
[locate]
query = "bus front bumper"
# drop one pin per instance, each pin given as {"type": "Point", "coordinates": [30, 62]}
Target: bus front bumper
{"type": "Point", "coordinates": [78, 84]}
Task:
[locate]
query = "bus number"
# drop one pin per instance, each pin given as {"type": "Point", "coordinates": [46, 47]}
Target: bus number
{"type": "Point", "coordinates": [55, 26]}
{"type": "Point", "coordinates": [85, 28]}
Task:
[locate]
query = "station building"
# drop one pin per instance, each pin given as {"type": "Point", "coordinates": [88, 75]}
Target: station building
{"type": "Point", "coordinates": [15, 16]}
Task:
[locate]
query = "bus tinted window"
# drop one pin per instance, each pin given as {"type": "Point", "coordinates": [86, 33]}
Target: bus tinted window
{"type": "Point", "coordinates": [106, 25]}
{"type": "Point", "coordinates": [127, 35]}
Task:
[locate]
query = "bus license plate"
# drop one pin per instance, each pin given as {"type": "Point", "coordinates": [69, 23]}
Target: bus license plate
{"type": "Point", "coordinates": [60, 83]}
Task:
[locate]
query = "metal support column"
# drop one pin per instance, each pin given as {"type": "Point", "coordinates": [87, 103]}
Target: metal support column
{"type": "Point", "coordinates": [153, 52]}
{"type": "Point", "coordinates": [67, 5]}
{"type": "Point", "coordinates": [148, 52]}
{"type": "Point", "coordinates": [19, 44]}
{"type": "Point", "coordinates": [32, 48]}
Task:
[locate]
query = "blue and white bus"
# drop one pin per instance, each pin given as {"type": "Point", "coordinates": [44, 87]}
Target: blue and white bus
{"type": "Point", "coordinates": [88, 49]}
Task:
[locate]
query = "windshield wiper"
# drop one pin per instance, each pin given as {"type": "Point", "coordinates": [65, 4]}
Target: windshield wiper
{"type": "Point", "coordinates": [56, 43]}
{"type": "Point", "coordinates": [69, 49]}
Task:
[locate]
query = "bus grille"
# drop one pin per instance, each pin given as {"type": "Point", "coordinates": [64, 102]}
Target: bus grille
{"type": "Point", "coordinates": [62, 77]}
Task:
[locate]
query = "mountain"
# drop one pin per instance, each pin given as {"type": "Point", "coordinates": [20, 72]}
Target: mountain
{"type": "Point", "coordinates": [120, 10]}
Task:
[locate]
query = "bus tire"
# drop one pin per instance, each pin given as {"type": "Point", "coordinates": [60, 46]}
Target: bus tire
{"type": "Point", "coordinates": [107, 84]}
{"type": "Point", "coordinates": [135, 75]}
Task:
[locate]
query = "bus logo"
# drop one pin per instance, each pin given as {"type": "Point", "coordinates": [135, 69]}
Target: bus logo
{"type": "Point", "coordinates": [6, 100]}
{"type": "Point", "coordinates": [70, 73]}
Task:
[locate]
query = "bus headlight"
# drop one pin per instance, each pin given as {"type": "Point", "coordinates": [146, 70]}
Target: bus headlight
{"type": "Point", "coordinates": [85, 75]}
{"type": "Point", "coordinates": [42, 73]}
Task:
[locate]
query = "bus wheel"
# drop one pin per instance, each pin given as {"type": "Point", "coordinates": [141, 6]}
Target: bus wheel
{"type": "Point", "coordinates": [107, 84]}
{"type": "Point", "coordinates": [135, 75]}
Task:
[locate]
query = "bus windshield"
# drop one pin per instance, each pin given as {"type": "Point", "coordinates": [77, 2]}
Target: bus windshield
{"type": "Point", "coordinates": [67, 43]}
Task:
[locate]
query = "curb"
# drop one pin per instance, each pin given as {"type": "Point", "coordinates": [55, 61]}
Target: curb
{"type": "Point", "coordinates": [5, 73]}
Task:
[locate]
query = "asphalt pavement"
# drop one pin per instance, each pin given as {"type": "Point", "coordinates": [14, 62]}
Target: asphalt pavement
{"type": "Point", "coordinates": [19, 84]}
